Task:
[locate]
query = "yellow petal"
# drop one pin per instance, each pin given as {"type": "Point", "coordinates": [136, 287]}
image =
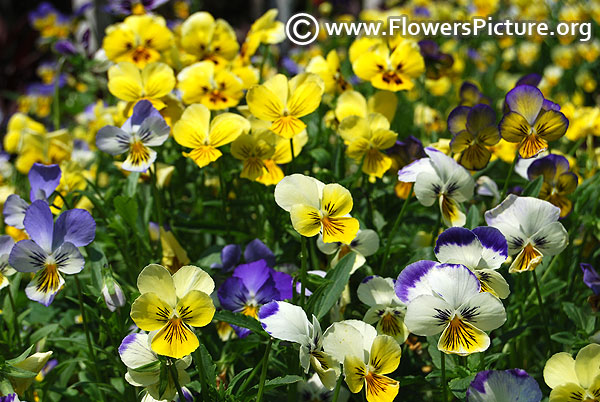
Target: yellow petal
{"type": "Point", "coordinates": [385, 355]}
{"type": "Point", "coordinates": [150, 312]}
{"type": "Point", "coordinates": [337, 200]}
{"type": "Point", "coordinates": [462, 338]}
{"type": "Point", "coordinates": [204, 155]}
{"type": "Point", "coordinates": [551, 125]}
{"type": "Point", "coordinates": [376, 163]}
{"type": "Point", "coordinates": [587, 364]}
{"type": "Point", "coordinates": [407, 58]}
{"type": "Point", "coordinates": [306, 220]}
{"type": "Point", "coordinates": [305, 99]}
{"type": "Point", "coordinates": [526, 260]}
{"type": "Point", "coordinates": [355, 372]}
{"type": "Point", "coordinates": [339, 229]}
{"type": "Point", "coordinates": [175, 339]}
{"type": "Point", "coordinates": [189, 278]}
{"type": "Point", "coordinates": [514, 127]}
{"type": "Point", "coordinates": [158, 79]}
{"type": "Point", "coordinates": [568, 392]}
{"type": "Point", "coordinates": [278, 84]}
{"type": "Point", "coordinates": [125, 81]}
{"type": "Point", "coordinates": [560, 369]}
{"type": "Point", "coordinates": [263, 103]}
{"type": "Point", "coordinates": [191, 130]}
{"type": "Point", "coordinates": [475, 157]}
{"type": "Point", "coordinates": [287, 126]}
{"type": "Point", "coordinates": [381, 388]}
{"type": "Point", "coordinates": [368, 65]}
{"type": "Point", "coordinates": [154, 277]}
{"type": "Point", "coordinates": [226, 127]}
{"type": "Point", "coordinates": [350, 103]}
{"type": "Point", "coordinates": [196, 308]}
{"type": "Point", "coordinates": [384, 102]}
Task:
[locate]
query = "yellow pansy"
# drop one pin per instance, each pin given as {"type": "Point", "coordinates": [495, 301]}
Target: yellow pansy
{"type": "Point", "coordinates": [207, 39]}
{"type": "Point", "coordinates": [267, 29]}
{"type": "Point", "coordinates": [366, 138]}
{"type": "Point", "coordinates": [329, 71]}
{"type": "Point", "coordinates": [154, 81]}
{"type": "Point", "coordinates": [170, 305]}
{"type": "Point", "coordinates": [139, 39]}
{"type": "Point", "coordinates": [395, 71]}
{"type": "Point", "coordinates": [574, 379]}
{"type": "Point", "coordinates": [253, 151]}
{"type": "Point", "coordinates": [283, 102]}
{"type": "Point", "coordinates": [272, 173]}
{"type": "Point", "coordinates": [215, 89]}
{"type": "Point", "coordinates": [353, 103]}
{"type": "Point", "coordinates": [195, 130]}
{"type": "Point", "coordinates": [317, 208]}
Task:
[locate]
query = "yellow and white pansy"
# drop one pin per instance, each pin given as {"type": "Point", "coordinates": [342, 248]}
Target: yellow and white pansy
{"type": "Point", "coordinates": [315, 208]}
{"type": "Point", "coordinates": [283, 103]}
{"type": "Point", "coordinates": [574, 379]}
{"type": "Point", "coordinates": [386, 311]}
{"type": "Point", "coordinates": [289, 322]}
{"type": "Point", "coordinates": [531, 228]}
{"type": "Point", "coordinates": [144, 367]}
{"type": "Point", "coordinates": [170, 306]}
{"type": "Point", "coordinates": [447, 298]}
{"type": "Point", "coordinates": [440, 178]}
{"type": "Point", "coordinates": [365, 243]}
{"type": "Point", "coordinates": [195, 130]}
{"type": "Point", "coordinates": [367, 358]}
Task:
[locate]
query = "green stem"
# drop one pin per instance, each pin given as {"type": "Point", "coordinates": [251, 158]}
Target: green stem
{"type": "Point", "coordinates": [435, 232]}
{"type": "Point", "coordinates": [338, 387]}
{"type": "Point", "coordinates": [265, 56]}
{"type": "Point", "coordinates": [16, 323]}
{"type": "Point", "coordinates": [156, 194]}
{"type": "Point", "coordinates": [303, 270]}
{"type": "Point", "coordinates": [202, 374]}
{"type": "Point", "coordinates": [576, 146]}
{"type": "Point", "coordinates": [263, 373]}
{"type": "Point", "coordinates": [388, 244]}
{"type": "Point", "coordinates": [290, 165]}
{"type": "Point", "coordinates": [542, 311]}
{"type": "Point", "coordinates": [444, 388]}
{"type": "Point", "coordinates": [509, 175]}
{"type": "Point", "coordinates": [88, 337]}
{"type": "Point", "coordinates": [175, 376]}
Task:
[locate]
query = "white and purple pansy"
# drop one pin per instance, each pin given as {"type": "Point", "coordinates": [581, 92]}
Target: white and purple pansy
{"type": "Point", "coordinates": [43, 180]}
{"type": "Point", "coordinates": [289, 322]}
{"type": "Point", "coordinates": [504, 386]}
{"type": "Point", "coordinates": [144, 129]}
{"type": "Point", "coordinates": [447, 298]}
{"type": "Point", "coordinates": [386, 311]}
{"type": "Point", "coordinates": [51, 249]}
{"type": "Point", "coordinates": [482, 250]}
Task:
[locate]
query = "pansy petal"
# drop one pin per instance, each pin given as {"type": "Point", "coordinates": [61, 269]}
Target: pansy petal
{"type": "Point", "coordinates": [39, 224]}
{"type": "Point", "coordinates": [139, 159]}
{"type": "Point", "coordinates": [43, 180]}
{"type": "Point", "coordinates": [480, 117]}
{"type": "Point", "coordinates": [551, 125]}
{"type": "Point", "coordinates": [475, 157]}
{"type": "Point", "coordinates": [427, 187]}
{"type": "Point", "coordinates": [427, 315]}
{"type": "Point", "coordinates": [306, 220]}
{"type": "Point", "coordinates": [567, 183]}
{"type": "Point", "coordinates": [495, 247]}
{"type": "Point", "coordinates": [337, 200]}
{"type": "Point", "coordinates": [68, 259]}
{"type": "Point", "coordinates": [526, 100]}
{"type": "Point", "coordinates": [150, 312]}
{"type": "Point", "coordinates": [587, 364]}
{"type": "Point", "coordinates": [513, 127]}
{"type": "Point", "coordinates": [410, 172]}
{"type": "Point", "coordinates": [44, 286]}
{"type": "Point", "coordinates": [375, 290]}
{"type": "Point", "coordinates": [254, 275]}
{"type": "Point", "coordinates": [355, 372]}
{"type": "Point", "coordinates": [257, 250]}
{"type": "Point", "coordinates": [551, 239]}
{"type": "Point", "coordinates": [413, 282]}
{"type": "Point", "coordinates": [175, 339]}
{"type": "Point", "coordinates": [462, 338]}
{"type": "Point", "coordinates": [113, 140]}
{"type": "Point", "coordinates": [75, 226]}
{"type": "Point", "coordinates": [458, 246]}
{"type": "Point", "coordinates": [381, 388]}
{"type": "Point", "coordinates": [451, 213]}
{"type": "Point", "coordinates": [560, 369]}
{"type": "Point", "coordinates": [526, 260]}
{"type": "Point", "coordinates": [27, 256]}
{"type": "Point", "coordinates": [513, 385]}
{"type": "Point", "coordinates": [135, 351]}
{"type": "Point", "coordinates": [339, 229]}
{"type": "Point", "coordinates": [285, 321]}
{"type": "Point", "coordinates": [298, 189]}
{"type": "Point", "coordinates": [155, 277]}
{"type": "Point", "coordinates": [196, 308]}
{"type": "Point", "coordinates": [569, 391]}
{"type": "Point", "coordinates": [484, 311]}
{"type": "Point", "coordinates": [493, 282]}
{"type": "Point", "coordinates": [189, 277]}
{"type": "Point", "coordinates": [454, 282]}
{"type": "Point", "coordinates": [366, 242]}
{"type": "Point", "coordinates": [14, 211]}
{"type": "Point", "coordinates": [154, 131]}
{"type": "Point", "coordinates": [385, 355]}
{"type": "Point", "coordinates": [457, 119]}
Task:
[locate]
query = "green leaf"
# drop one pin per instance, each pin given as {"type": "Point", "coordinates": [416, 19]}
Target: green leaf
{"type": "Point", "coordinates": [43, 332]}
{"type": "Point", "coordinates": [566, 338]}
{"type": "Point", "coordinates": [17, 372]}
{"type": "Point", "coordinates": [240, 320]}
{"type": "Point", "coordinates": [534, 187]}
{"type": "Point", "coordinates": [127, 208]}
{"type": "Point", "coordinates": [472, 217]}
{"type": "Point", "coordinates": [21, 357]}
{"type": "Point", "coordinates": [132, 183]}
{"type": "Point", "coordinates": [208, 366]}
{"type": "Point", "coordinates": [459, 386]}
{"type": "Point", "coordinates": [280, 381]}
{"type": "Point", "coordinates": [338, 279]}
{"type": "Point", "coordinates": [238, 377]}
{"type": "Point", "coordinates": [320, 155]}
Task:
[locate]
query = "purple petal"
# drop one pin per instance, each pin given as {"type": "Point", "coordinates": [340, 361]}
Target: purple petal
{"type": "Point", "coordinates": [230, 256]}
{"type": "Point", "coordinates": [6, 245]}
{"type": "Point", "coordinates": [65, 47]}
{"type": "Point", "coordinates": [232, 294]}
{"type": "Point", "coordinates": [549, 105]}
{"type": "Point", "coordinates": [74, 226]}
{"type": "Point", "coordinates": [532, 79]}
{"type": "Point", "coordinates": [39, 224]}
{"type": "Point", "coordinates": [525, 100]}
{"type": "Point", "coordinates": [268, 310]}
{"type": "Point", "coordinates": [456, 236]}
{"type": "Point", "coordinates": [510, 385]}
{"type": "Point", "coordinates": [480, 116]}
{"type": "Point", "coordinates": [590, 277]}
{"type": "Point", "coordinates": [283, 283]}
{"type": "Point", "coordinates": [457, 119]}
{"type": "Point", "coordinates": [410, 277]}
{"type": "Point", "coordinates": [253, 275]}
{"type": "Point", "coordinates": [43, 181]}
{"type": "Point", "coordinates": [141, 111]}
{"type": "Point", "coordinates": [492, 239]}
{"type": "Point", "coordinates": [14, 211]}
{"type": "Point", "coordinates": [257, 250]}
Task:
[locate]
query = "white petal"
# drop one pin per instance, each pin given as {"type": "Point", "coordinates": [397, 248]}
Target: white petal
{"type": "Point", "coordinates": [298, 189]}
{"type": "Point", "coordinates": [560, 369]}
{"type": "Point", "coordinates": [458, 246]}
{"type": "Point", "coordinates": [135, 351]}
{"type": "Point", "coordinates": [113, 140]}
{"type": "Point", "coordinates": [68, 259]}
{"type": "Point", "coordinates": [427, 188]}
{"type": "Point", "coordinates": [14, 211]}
{"type": "Point", "coordinates": [366, 242]}
{"type": "Point", "coordinates": [27, 256]}
{"type": "Point", "coordinates": [551, 239]}
{"type": "Point", "coordinates": [427, 315]}
{"type": "Point", "coordinates": [484, 310]}
{"type": "Point", "coordinates": [154, 131]}
{"type": "Point", "coordinates": [132, 165]}
{"type": "Point", "coordinates": [528, 214]}
{"type": "Point", "coordinates": [45, 298]}
{"type": "Point", "coordinates": [349, 338]}
{"type": "Point", "coordinates": [285, 321]}
{"type": "Point", "coordinates": [454, 283]}
{"type": "Point", "coordinates": [375, 290]}
{"type": "Point", "coordinates": [409, 173]}
{"type": "Point", "coordinates": [327, 248]}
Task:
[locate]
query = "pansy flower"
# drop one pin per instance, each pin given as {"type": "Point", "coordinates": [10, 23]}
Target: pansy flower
{"type": "Point", "coordinates": [531, 228]}
{"type": "Point", "coordinates": [283, 103]}
{"type": "Point", "coordinates": [216, 89]}
{"type": "Point", "coordinates": [447, 298]}
{"type": "Point", "coordinates": [393, 72]}
{"type": "Point", "coordinates": [353, 103]}
{"type": "Point", "coordinates": [559, 182]}
{"type": "Point", "coordinates": [315, 208]}
{"type": "Point", "coordinates": [367, 358]}
{"type": "Point", "coordinates": [471, 95]}
{"type": "Point", "coordinates": [365, 243]}
{"type": "Point", "coordinates": [366, 139]}
{"type": "Point", "coordinates": [129, 83]}
{"type": "Point", "coordinates": [532, 121]}
{"type": "Point", "coordinates": [507, 385]}
{"type": "Point", "coordinates": [592, 281]}
{"type": "Point", "coordinates": [195, 130]}
{"type": "Point", "coordinates": [136, 7]}
{"type": "Point", "coordinates": [144, 129]}
{"type": "Point", "coordinates": [6, 245]}
{"type": "Point", "coordinates": [482, 250]}
{"type": "Point", "coordinates": [139, 39]}
{"type": "Point", "coordinates": [437, 62]}
{"type": "Point", "coordinates": [169, 305]}
{"type": "Point", "coordinates": [473, 130]}
{"type": "Point", "coordinates": [35, 364]}
{"type": "Point", "coordinates": [251, 286]}
{"type": "Point", "coordinates": [329, 71]}
{"type": "Point", "coordinates": [208, 39]}
{"type": "Point", "coordinates": [574, 379]}
{"type": "Point", "coordinates": [43, 180]}
{"type": "Point", "coordinates": [288, 322]}
{"type": "Point", "coordinates": [144, 368]}
{"type": "Point", "coordinates": [52, 248]}
{"type": "Point", "coordinates": [403, 153]}
{"type": "Point", "coordinates": [386, 311]}
{"type": "Point", "coordinates": [440, 178]}
{"type": "Point", "coordinates": [255, 250]}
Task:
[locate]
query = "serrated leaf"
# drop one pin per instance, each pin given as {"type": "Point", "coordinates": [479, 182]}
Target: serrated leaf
{"type": "Point", "coordinates": [208, 365]}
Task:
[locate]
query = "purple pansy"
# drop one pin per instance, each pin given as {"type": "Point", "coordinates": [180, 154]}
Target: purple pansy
{"type": "Point", "coordinates": [406, 151]}
{"type": "Point", "coordinates": [559, 182]}
{"type": "Point", "coordinates": [470, 95]}
{"type": "Point", "coordinates": [256, 250]}
{"type": "Point", "coordinates": [51, 249]}
{"type": "Point", "coordinates": [507, 385]}
{"type": "Point", "coordinates": [43, 180]}
{"type": "Point", "coordinates": [251, 286]}
{"type": "Point", "coordinates": [591, 277]}
{"type": "Point", "coordinates": [127, 7]}
{"type": "Point", "coordinates": [436, 61]}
